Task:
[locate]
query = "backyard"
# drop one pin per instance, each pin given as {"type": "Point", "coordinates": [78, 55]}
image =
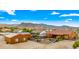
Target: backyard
{"type": "Point", "coordinates": [65, 44]}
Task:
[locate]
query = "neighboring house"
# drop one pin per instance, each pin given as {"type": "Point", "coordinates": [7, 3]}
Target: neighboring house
{"type": "Point", "coordinates": [42, 34]}
{"type": "Point", "coordinates": [66, 34]}
{"type": "Point", "coordinates": [13, 38]}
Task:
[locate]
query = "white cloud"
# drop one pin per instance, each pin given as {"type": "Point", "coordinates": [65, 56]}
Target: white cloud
{"type": "Point", "coordinates": [33, 10]}
{"type": "Point", "coordinates": [68, 20]}
{"type": "Point", "coordinates": [54, 13]}
{"type": "Point", "coordinates": [71, 14]}
{"type": "Point", "coordinates": [10, 12]}
{"type": "Point", "coordinates": [14, 20]}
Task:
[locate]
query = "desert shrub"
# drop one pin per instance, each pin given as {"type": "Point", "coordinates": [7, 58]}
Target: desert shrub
{"type": "Point", "coordinates": [35, 36]}
{"type": "Point", "coordinates": [27, 30]}
{"type": "Point", "coordinates": [52, 40]}
{"type": "Point", "coordinates": [38, 40]}
{"type": "Point", "coordinates": [66, 37]}
{"type": "Point", "coordinates": [1, 31]}
{"type": "Point", "coordinates": [59, 38]}
{"type": "Point", "coordinates": [12, 29]}
{"type": "Point", "coordinates": [76, 44]}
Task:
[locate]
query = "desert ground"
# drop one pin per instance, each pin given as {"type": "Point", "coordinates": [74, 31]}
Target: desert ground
{"type": "Point", "coordinates": [65, 44]}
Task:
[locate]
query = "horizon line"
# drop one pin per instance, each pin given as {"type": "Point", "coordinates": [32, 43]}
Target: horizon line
{"type": "Point", "coordinates": [38, 23]}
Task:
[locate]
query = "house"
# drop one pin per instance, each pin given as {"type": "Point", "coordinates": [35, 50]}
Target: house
{"type": "Point", "coordinates": [13, 38]}
{"type": "Point", "coordinates": [42, 34]}
{"type": "Point", "coordinates": [66, 34]}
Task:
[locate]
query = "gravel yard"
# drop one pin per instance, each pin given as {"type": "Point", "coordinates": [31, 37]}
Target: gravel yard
{"type": "Point", "coordinates": [65, 44]}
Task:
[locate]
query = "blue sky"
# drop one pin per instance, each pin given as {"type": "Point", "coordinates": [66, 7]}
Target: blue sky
{"type": "Point", "coordinates": [50, 17]}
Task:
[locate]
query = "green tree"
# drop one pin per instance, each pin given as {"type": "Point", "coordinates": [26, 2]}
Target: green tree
{"type": "Point", "coordinates": [12, 28]}
{"type": "Point", "coordinates": [59, 38]}
{"type": "Point", "coordinates": [27, 30]}
{"type": "Point", "coordinates": [76, 44]}
{"type": "Point", "coordinates": [1, 30]}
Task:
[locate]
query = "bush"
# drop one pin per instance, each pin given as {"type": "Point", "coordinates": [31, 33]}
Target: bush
{"type": "Point", "coordinates": [59, 38]}
{"type": "Point", "coordinates": [38, 40]}
{"type": "Point", "coordinates": [35, 35]}
{"type": "Point", "coordinates": [12, 29]}
{"type": "Point", "coordinates": [76, 44]}
{"type": "Point", "coordinates": [1, 31]}
{"type": "Point", "coordinates": [27, 30]}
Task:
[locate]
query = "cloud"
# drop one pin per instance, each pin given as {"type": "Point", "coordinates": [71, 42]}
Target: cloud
{"type": "Point", "coordinates": [33, 10]}
{"type": "Point", "coordinates": [54, 13]}
{"type": "Point", "coordinates": [14, 20]}
{"type": "Point", "coordinates": [68, 20]}
{"type": "Point", "coordinates": [10, 12]}
{"type": "Point", "coordinates": [71, 14]}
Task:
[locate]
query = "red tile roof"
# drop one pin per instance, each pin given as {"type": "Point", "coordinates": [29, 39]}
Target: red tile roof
{"type": "Point", "coordinates": [60, 32]}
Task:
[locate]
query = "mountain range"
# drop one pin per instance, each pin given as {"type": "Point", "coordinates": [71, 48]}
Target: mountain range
{"type": "Point", "coordinates": [37, 25]}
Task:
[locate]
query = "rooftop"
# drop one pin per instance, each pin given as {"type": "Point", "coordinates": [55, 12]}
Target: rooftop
{"type": "Point", "coordinates": [60, 31]}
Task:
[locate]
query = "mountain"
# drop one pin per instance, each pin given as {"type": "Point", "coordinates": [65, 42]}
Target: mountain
{"type": "Point", "coordinates": [4, 25]}
{"type": "Point", "coordinates": [35, 25]}
{"type": "Point", "coordinates": [32, 25]}
{"type": "Point", "coordinates": [43, 25]}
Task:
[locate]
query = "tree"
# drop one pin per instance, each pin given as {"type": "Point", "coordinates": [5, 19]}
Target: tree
{"type": "Point", "coordinates": [76, 44]}
{"type": "Point", "coordinates": [1, 30]}
{"type": "Point", "coordinates": [59, 38]}
{"type": "Point", "coordinates": [12, 28]}
{"type": "Point", "coordinates": [27, 30]}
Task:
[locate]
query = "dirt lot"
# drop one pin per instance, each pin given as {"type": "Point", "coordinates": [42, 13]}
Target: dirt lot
{"type": "Point", "coordinates": [65, 44]}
